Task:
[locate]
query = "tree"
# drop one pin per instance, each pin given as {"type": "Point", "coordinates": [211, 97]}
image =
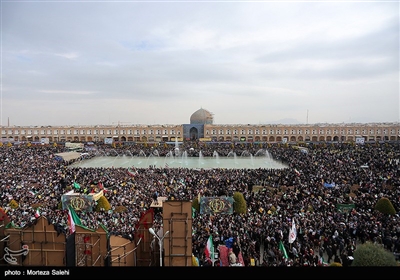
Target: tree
{"type": "Point", "coordinates": [385, 206]}
{"type": "Point", "coordinates": [196, 204]}
{"type": "Point", "coordinates": [14, 204]}
{"type": "Point", "coordinates": [120, 209]}
{"type": "Point", "coordinates": [239, 205]}
{"type": "Point", "coordinates": [103, 204]}
{"type": "Point", "coordinates": [372, 254]}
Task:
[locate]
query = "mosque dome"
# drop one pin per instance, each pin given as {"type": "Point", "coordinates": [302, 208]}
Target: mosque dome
{"type": "Point", "coordinates": [201, 116]}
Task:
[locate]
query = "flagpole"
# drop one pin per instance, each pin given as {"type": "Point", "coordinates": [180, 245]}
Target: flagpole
{"type": "Point", "coordinates": [212, 255]}
{"type": "Point", "coordinates": [213, 249]}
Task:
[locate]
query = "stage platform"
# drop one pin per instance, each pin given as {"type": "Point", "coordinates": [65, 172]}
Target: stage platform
{"type": "Point", "coordinates": [160, 201]}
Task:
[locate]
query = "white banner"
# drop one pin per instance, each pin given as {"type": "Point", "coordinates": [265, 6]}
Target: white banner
{"type": "Point", "coordinates": [360, 140]}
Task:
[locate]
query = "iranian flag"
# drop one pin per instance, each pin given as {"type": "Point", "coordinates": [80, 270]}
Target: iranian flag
{"type": "Point", "coordinates": [73, 219]}
{"type": "Point", "coordinates": [37, 213]}
{"type": "Point", "coordinates": [131, 172]}
{"type": "Point", "coordinates": [292, 233]}
{"type": "Point", "coordinates": [322, 262]}
{"type": "Point", "coordinates": [209, 250]}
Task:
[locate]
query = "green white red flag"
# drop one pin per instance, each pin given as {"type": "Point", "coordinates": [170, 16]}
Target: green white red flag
{"type": "Point", "coordinates": [73, 219]}
{"type": "Point", "coordinates": [209, 250]}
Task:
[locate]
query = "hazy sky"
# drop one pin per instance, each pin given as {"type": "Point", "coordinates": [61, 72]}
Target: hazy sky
{"type": "Point", "coordinates": [157, 62]}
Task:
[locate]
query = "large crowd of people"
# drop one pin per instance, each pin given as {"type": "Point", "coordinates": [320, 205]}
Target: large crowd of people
{"type": "Point", "coordinates": [308, 192]}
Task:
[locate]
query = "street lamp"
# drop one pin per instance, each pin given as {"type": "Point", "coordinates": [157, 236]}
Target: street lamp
{"type": "Point", "coordinates": [160, 240]}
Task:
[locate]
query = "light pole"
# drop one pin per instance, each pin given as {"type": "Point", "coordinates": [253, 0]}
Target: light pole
{"type": "Point", "coordinates": [160, 240]}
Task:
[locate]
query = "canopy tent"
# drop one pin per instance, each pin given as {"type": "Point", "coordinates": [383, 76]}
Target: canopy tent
{"type": "Point", "coordinates": [67, 156]}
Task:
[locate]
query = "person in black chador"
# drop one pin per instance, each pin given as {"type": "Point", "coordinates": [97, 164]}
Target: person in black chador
{"type": "Point", "coordinates": [236, 248]}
